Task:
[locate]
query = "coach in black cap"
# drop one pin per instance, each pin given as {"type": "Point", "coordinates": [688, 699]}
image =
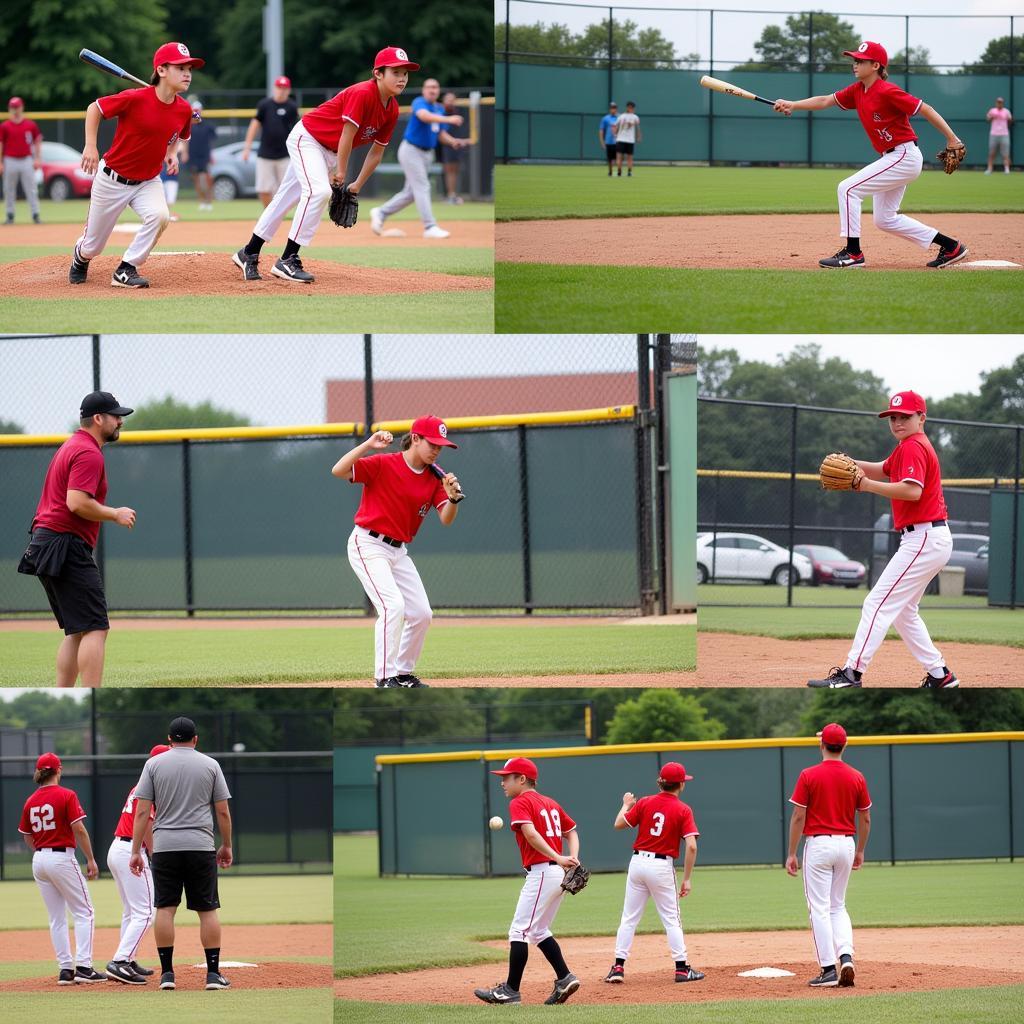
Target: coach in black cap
{"type": "Point", "coordinates": [65, 530]}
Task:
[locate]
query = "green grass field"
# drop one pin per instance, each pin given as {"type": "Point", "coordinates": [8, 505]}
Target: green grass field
{"type": "Point", "coordinates": [257, 655]}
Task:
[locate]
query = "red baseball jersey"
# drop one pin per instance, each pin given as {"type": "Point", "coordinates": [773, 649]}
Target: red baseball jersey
{"type": "Point", "coordinates": [126, 823]}
{"type": "Point", "coordinates": [77, 465]}
{"type": "Point", "coordinates": [831, 792]}
{"type": "Point", "coordinates": [48, 816]}
{"type": "Point", "coordinates": [146, 126]}
{"type": "Point", "coordinates": [361, 105]}
{"type": "Point", "coordinates": [914, 459]}
{"type": "Point", "coordinates": [17, 138]}
{"type": "Point", "coordinates": [546, 816]}
{"type": "Point", "coordinates": [396, 497]}
{"type": "Point", "coordinates": [884, 110]}
{"type": "Point", "coordinates": [661, 821]}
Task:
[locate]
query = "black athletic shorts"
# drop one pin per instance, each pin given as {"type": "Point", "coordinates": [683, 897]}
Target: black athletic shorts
{"type": "Point", "coordinates": [193, 870]}
{"type": "Point", "coordinates": [624, 147]}
{"type": "Point", "coordinates": [610, 149]}
{"type": "Point", "coordinates": [76, 595]}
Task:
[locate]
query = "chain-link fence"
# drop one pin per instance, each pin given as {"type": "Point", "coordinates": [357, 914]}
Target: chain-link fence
{"type": "Point", "coordinates": [759, 499]}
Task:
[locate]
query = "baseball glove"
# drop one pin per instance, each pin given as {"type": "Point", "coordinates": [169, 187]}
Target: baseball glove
{"type": "Point", "coordinates": [575, 879]}
{"type": "Point", "coordinates": [344, 208]}
{"type": "Point", "coordinates": [838, 472]}
{"type": "Point", "coordinates": [951, 157]}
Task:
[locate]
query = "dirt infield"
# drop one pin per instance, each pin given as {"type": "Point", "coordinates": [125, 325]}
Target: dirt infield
{"type": "Point", "coordinates": [790, 242]}
{"type": "Point", "coordinates": [727, 659]}
{"type": "Point", "coordinates": [628, 679]}
{"type": "Point", "coordinates": [888, 960]}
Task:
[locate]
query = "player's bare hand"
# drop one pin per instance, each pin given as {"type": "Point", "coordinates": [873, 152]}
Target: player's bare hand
{"type": "Point", "coordinates": [792, 866]}
{"type": "Point", "coordinates": [171, 165]}
{"type": "Point", "coordinates": [37, 163]}
{"type": "Point", "coordinates": [567, 862]}
{"type": "Point", "coordinates": [124, 516]}
{"type": "Point", "coordinates": [381, 439]}
{"type": "Point", "coordinates": [90, 159]}
{"type": "Point", "coordinates": [455, 119]}
{"type": "Point", "coordinates": [224, 857]}
{"type": "Point", "coordinates": [92, 871]}
{"type": "Point", "coordinates": [245, 154]}
{"type": "Point", "coordinates": [684, 889]}
{"type": "Point", "coordinates": [858, 861]}
{"type": "Point", "coordinates": [136, 864]}
{"type": "Point", "coordinates": [783, 107]}
{"type": "Point", "coordinates": [628, 799]}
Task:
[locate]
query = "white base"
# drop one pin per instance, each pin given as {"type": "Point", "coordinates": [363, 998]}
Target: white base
{"type": "Point", "coordinates": [766, 972]}
{"type": "Point", "coordinates": [227, 963]}
{"type": "Point", "coordinates": [181, 252]}
{"type": "Point", "coordinates": [127, 229]}
{"type": "Point", "coordinates": [987, 265]}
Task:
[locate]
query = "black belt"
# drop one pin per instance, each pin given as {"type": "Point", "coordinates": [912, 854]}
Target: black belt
{"type": "Point", "coordinates": [426, 149]}
{"type": "Point", "coordinates": [120, 180]}
{"type": "Point", "coordinates": [894, 148]}
{"type": "Point", "coordinates": [124, 839]}
{"type": "Point", "coordinates": [910, 529]}
{"type": "Point", "coordinates": [530, 867]}
{"type": "Point", "coordinates": [387, 540]}
{"type": "Point", "coordinates": [656, 856]}
{"type": "Point", "coordinates": [832, 835]}
{"type": "Point", "coordinates": [56, 849]}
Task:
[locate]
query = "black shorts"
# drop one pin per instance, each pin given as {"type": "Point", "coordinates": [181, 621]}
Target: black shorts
{"type": "Point", "coordinates": [610, 149]}
{"type": "Point", "coordinates": [76, 596]}
{"type": "Point", "coordinates": [624, 147]}
{"type": "Point", "coordinates": [201, 167]}
{"type": "Point", "coordinates": [193, 870]}
{"type": "Point", "coordinates": [449, 155]}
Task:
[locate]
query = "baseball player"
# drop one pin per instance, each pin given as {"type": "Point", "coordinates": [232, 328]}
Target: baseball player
{"type": "Point", "coordinates": [885, 111]}
{"type": "Point", "coordinates": [919, 513]}
{"type": "Point", "coordinates": [21, 155]}
{"type": "Point", "coordinates": [661, 821]}
{"type": "Point", "coordinates": [150, 123]}
{"type": "Point", "coordinates": [136, 891]}
{"type": "Point", "coordinates": [825, 801]}
{"type": "Point", "coordinates": [606, 135]}
{"type": "Point", "coordinates": [542, 829]}
{"type": "Point", "coordinates": [398, 491]}
{"type": "Point", "coordinates": [319, 147]}
{"type": "Point", "coordinates": [52, 824]}
{"type": "Point", "coordinates": [627, 134]}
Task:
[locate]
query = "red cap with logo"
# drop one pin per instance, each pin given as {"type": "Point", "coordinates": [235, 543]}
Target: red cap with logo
{"type": "Point", "coordinates": [904, 403]}
{"type": "Point", "coordinates": [869, 51]}
{"type": "Point", "coordinates": [433, 429]}
{"type": "Point", "coordinates": [394, 57]}
{"type": "Point", "coordinates": [48, 761]}
{"type": "Point", "coordinates": [673, 771]}
{"type": "Point", "coordinates": [283, 82]}
{"type": "Point", "coordinates": [15, 101]}
{"type": "Point", "coordinates": [834, 735]}
{"type": "Point", "coordinates": [518, 766]}
{"type": "Point", "coordinates": [175, 53]}
{"type": "Point", "coordinates": [160, 748]}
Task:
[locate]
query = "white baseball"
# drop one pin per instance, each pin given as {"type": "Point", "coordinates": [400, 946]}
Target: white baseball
{"type": "Point", "coordinates": [495, 823]}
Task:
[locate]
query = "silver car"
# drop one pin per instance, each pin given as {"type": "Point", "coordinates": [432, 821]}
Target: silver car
{"type": "Point", "coordinates": [745, 556]}
{"type": "Point", "coordinates": [233, 177]}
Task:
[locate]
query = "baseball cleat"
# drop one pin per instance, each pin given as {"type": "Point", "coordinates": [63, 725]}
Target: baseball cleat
{"type": "Point", "coordinates": [145, 972]}
{"type": "Point", "coordinates": [79, 269]}
{"type": "Point", "coordinates": [827, 979]}
{"type": "Point", "coordinates": [167, 980]}
{"type": "Point", "coordinates": [689, 975]}
{"type": "Point", "coordinates": [846, 971]}
{"type": "Point", "coordinates": [291, 270]}
{"type": "Point", "coordinates": [87, 976]}
{"type": "Point", "coordinates": [838, 679]}
{"type": "Point", "coordinates": [501, 993]}
{"type": "Point", "coordinates": [66, 977]}
{"type": "Point", "coordinates": [436, 232]}
{"type": "Point", "coordinates": [216, 981]}
{"type": "Point", "coordinates": [947, 681]}
{"type": "Point", "coordinates": [126, 276]}
{"type": "Point", "coordinates": [407, 679]}
{"type": "Point", "coordinates": [248, 264]}
{"type": "Point", "coordinates": [120, 970]}
{"type": "Point", "coordinates": [947, 257]}
{"type": "Point", "coordinates": [617, 975]}
{"type": "Point", "coordinates": [391, 683]}
{"type": "Point", "coordinates": [35, 219]}
{"type": "Point", "coordinates": [376, 221]}
{"type": "Point", "coordinates": [564, 987]}
{"type": "Point", "coordinates": [842, 260]}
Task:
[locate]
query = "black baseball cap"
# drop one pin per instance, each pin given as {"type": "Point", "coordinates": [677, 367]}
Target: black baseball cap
{"type": "Point", "coordinates": [181, 730]}
{"type": "Point", "coordinates": [102, 401]}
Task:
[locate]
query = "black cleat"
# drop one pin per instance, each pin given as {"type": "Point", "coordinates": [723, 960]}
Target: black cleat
{"type": "Point", "coordinates": [126, 276]}
{"type": "Point", "coordinates": [248, 264]}
{"type": "Point", "coordinates": [291, 270]}
{"type": "Point", "coordinates": [838, 679]}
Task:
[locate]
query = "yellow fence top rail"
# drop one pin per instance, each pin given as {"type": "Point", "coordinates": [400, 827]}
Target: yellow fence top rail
{"type": "Point", "coordinates": [615, 412]}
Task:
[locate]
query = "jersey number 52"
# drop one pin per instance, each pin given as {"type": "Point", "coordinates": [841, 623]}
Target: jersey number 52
{"type": "Point", "coordinates": [42, 818]}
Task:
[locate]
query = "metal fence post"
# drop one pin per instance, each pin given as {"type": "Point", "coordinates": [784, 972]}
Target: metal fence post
{"type": "Point", "coordinates": [186, 484]}
{"type": "Point", "coordinates": [792, 505]}
{"type": "Point", "coordinates": [524, 518]}
{"type": "Point", "coordinates": [369, 415]}
{"type": "Point", "coordinates": [662, 364]}
{"type": "Point", "coordinates": [810, 86]}
{"type": "Point", "coordinates": [508, 33]}
{"type": "Point", "coordinates": [611, 50]}
{"type": "Point", "coordinates": [1014, 546]}
{"type": "Point", "coordinates": [711, 92]}
{"type": "Point", "coordinates": [643, 474]}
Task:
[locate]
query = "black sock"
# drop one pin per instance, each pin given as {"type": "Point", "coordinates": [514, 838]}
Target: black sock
{"type": "Point", "coordinates": [853, 246]}
{"type": "Point", "coordinates": [831, 967]}
{"type": "Point", "coordinates": [944, 241]}
{"type": "Point", "coordinates": [856, 675]}
{"type": "Point", "coordinates": [254, 245]}
{"type": "Point", "coordinates": [291, 249]}
{"type": "Point", "coordinates": [620, 961]}
{"type": "Point", "coordinates": [553, 954]}
{"type": "Point", "coordinates": [125, 266]}
{"type": "Point", "coordinates": [682, 965]}
{"type": "Point", "coordinates": [213, 960]}
{"type": "Point", "coordinates": [518, 953]}
{"type": "Point", "coordinates": [166, 954]}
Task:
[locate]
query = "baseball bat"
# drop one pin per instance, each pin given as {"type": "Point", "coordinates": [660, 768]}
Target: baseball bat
{"type": "Point", "coordinates": [717, 85]}
{"type": "Point", "coordinates": [110, 68]}
{"type": "Point", "coordinates": [440, 474]}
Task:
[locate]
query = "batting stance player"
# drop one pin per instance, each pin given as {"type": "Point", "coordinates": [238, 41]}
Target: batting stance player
{"type": "Point", "coordinates": [885, 111]}
{"type": "Point", "coordinates": [136, 891]}
{"type": "Point", "coordinates": [825, 800]}
{"type": "Point", "coordinates": [919, 513]}
{"type": "Point", "coordinates": [52, 823]}
{"type": "Point", "coordinates": [661, 822]}
{"type": "Point", "coordinates": [540, 826]}
{"type": "Point", "coordinates": [398, 491]}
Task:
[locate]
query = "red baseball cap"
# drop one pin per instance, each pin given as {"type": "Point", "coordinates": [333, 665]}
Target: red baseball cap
{"type": "Point", "coordinates": [48, 761]}
{"type": "Point", "coordinates": [869, 51]}
{"type": "Point", "coordinates": [15, 101]}
{"type": "Point", "coordinates": [160, 748]}
{"type": "Point", "coordinates": [834, 735]}
{"type": "Point", "coordinates": [673, 771]}
{"type": "Point", "coordinates": [433, 429]}
{"type": "Point", "coordinates": [394, 57]}
{"type": "Point", "coordinates": [175, 53]}
{"type": "Point", "coordinates": [518, 766]}
{"type": "Point", "coordinates": [283, 82]}
{"type": "Point", "coordinates": [905, 402]}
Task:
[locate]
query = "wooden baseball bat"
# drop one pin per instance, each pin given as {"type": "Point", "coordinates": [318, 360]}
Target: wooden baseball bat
{"type": "Point", "coordinates": [110, 68]}
{"type": "Point", "coordinates": [718, 85]}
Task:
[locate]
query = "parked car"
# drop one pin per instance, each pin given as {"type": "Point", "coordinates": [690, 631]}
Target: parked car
{"type": "Point", "coordinates": [970, 552]}
{"type": "Point", "coordinates": [830, 565]}
{"type": "Point", "coordinates": [233, 177]}
{"type": "Point", "coordinates": [745, 556]}
{"type": "Point", "coordinates": [62, 174]}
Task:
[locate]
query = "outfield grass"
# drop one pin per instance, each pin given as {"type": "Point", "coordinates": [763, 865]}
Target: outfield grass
{"type": "Point", "coordinates": [256, 655]}
{"type": "Point", "coordinates": [816, 597]}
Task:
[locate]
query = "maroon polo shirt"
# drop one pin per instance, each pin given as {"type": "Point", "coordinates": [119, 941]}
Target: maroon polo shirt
{"type": "Point", "coordinates": [76, 466]}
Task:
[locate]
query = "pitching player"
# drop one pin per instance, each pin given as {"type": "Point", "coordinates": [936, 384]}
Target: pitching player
{"type": "Point", "coordinates": [825, 801]}
{"type": "Point", "coordinates": [21, 152]}
{"type": "Point", "coordinates": [912, 479]}
{"type": "Point", "coordinates": [398, 491]}
{"type": "Point", "coordinates": [319, 147]}
{"type": "Point", "coordinates": [542, 829]}
{"type": "Point", "coordinates": [150, 123]}
{"type": "Point", "coordinates": [52, 824]}
{"type": "Point", "coordinates": [136, 891]}
{"type": "Point", "coordinates": [661, 822]}
{"type": "Point", "coordinates": [885, 111]}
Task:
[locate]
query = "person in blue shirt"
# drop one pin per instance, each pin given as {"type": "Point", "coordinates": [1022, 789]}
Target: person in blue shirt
{"type": "Point", "coordinates": [415, 155]}
{"type": "Point", "coordinates": [606, 134]}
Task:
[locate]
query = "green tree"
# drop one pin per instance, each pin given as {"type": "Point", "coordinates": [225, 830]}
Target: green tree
{"type": "Point", "coordinates": [393, 716]}
{"type": "Point", "coordinates": [169, 413]}
{"type": "Point", "coordinates": [786, 48]}
{"type": "Point", "coordinates": [10, 427]}
{"type": "Point", "coordinates": [918, 57]}
{"type": "Point", "coordinates": [755, 713]}
{"type": "Point", "coordinates": [662, 716]}
{"type": "Point", "coordinates": [632, 46]}
{"type": "Point", "coordinates": [995, 59]}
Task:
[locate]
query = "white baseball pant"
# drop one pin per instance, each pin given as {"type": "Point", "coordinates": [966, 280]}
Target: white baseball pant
{"type": "Point", "coordinates": [19, 168]}
{"type": "Point", "coordinates": [651, 877]}
{"type": "Point", "coordinates": [894, 600]}
{"type": "Point", "coordinates": [170, 190]}
{"type": "Point", "coordinates": [828, 861]}
{"type": "Point", "coordinates": [885, 180]}
{"type": "Point", "coordinates": [539, 900]}
{"type": "Point", "coordinates": [136, 892]}
{"type": "Point", "coordinates": [416, 164]}
{"type": "Point", "coordinates": [403, 610]}
{"type": "Point", "coordinates": [108, 201]}
{"type": "Point", "coordinates": [62, 884]}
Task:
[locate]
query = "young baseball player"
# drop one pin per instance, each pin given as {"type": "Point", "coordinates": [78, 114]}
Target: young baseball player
{"type": "Point", "coordinates": [661, 821]}
{"type": "Point", "coordinates": [885, 111]}
{"type": "Point", "coordinates": [319, 147]}
{"type": "Point", "coordinates": [136, 891]}
{"type": "Point", "coordinates": [627, 134]}
{"type": "Point", "coordinates": [831, 807]}
{"type": "Point", "coordinates": [52, 826]}
{"type": "Point", "coordinates": [912, 479]}
{"type": "Point", "coordinates": [21, 153]}
{"type": "Point", "coordinates": [150, 123]}
{"type": "Point", "coordinates": [398, 491]}
{"type": "Point", "coordinates": [542, 829]}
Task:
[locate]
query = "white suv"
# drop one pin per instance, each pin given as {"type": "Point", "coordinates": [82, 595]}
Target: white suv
{"type": "Point", "coordinates": [745, 556]}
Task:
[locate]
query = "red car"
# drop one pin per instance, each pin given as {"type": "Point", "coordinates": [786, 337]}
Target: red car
{"type": "Point", "coordinates": [63, 177]}
{"type": "Point", "coordinates": [830, 565]}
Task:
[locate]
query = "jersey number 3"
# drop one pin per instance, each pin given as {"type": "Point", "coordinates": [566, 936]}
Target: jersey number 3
{"type": "Point", "coordinates": [42, 818]}
{"type": "Point", "coordinates": [659, 823]}
{"type": "Point", "coordinates": [554, 822]}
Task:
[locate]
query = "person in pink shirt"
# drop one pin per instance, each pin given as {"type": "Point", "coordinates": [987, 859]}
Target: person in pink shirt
{"type": "Point", "coordinates": [1000, 119]}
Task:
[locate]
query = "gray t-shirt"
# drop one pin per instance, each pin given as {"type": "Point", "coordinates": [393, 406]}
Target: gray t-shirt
{"type": "Point", "coordinates": [183, 785]}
